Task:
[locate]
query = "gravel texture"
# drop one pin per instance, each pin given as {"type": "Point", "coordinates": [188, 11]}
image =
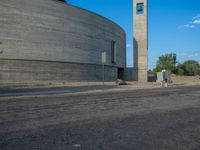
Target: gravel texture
{"type": "Point", "coordinates": [151, 119]}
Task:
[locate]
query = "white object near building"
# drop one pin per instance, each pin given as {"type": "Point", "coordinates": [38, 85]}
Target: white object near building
{"type": "Point", "coordinates": [164, 77]}
{"type": "Point", "coordinates": [103, 57]}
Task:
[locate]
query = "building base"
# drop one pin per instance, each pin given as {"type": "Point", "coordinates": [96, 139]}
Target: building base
{"type": "Point", "coordinates": [26, 71]}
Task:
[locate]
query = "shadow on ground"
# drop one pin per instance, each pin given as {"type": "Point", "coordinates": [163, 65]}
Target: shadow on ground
{"type": "Point", "coordinates": [51, 90]}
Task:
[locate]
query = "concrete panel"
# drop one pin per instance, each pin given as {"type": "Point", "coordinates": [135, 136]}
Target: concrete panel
{"type": "Point", "coordinates": [141, 40]}
{"type": "Point", "coordinates": [26, 71]}
{"type": "Point", "coordinates": [52, 31]}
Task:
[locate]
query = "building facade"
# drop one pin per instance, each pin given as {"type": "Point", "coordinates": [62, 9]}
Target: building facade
{"type": "Point", "coordinates": [49, 40]}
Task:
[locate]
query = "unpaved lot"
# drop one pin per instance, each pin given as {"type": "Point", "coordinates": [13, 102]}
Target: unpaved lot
{"type": "Point", "coordinates": [151, 119]}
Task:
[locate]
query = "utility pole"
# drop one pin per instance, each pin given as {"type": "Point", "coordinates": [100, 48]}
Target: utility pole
{"type": "Point", "coordinates": [174, 58]}
{"type": "Point", "coordinates": [103, 59]}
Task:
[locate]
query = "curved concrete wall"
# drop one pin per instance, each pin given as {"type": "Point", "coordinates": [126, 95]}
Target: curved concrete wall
{"type": "Point", "coordinates": [52, 31]}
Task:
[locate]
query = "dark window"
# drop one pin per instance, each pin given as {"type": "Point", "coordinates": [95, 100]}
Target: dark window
{"type": "Point", "coordinates": [113, 52]}
{"type": "Point", "coordinates": [140, 8]}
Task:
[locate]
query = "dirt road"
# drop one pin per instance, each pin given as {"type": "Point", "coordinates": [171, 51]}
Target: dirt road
{"type": "Point", "coordinates": [153, 119]}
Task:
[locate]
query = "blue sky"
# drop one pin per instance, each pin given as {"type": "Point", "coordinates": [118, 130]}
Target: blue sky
{"type": "Point", "coordinates": [174, 25]}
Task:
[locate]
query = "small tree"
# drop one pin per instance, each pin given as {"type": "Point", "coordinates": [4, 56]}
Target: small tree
{"type": "Point", "coordinates": [191, 67]}
{"type": "Point", "coordinates": [180, 69]}
{"type": "Point", "coordinates": [157, 69]}
{"type": "Point", "coordinates": [180, 72]}
{"type": "Point", "coordinates": [165, 62]}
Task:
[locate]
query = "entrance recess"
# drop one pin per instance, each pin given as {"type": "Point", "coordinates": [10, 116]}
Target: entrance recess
{"type": "Point", "coordinates": [120, 73]}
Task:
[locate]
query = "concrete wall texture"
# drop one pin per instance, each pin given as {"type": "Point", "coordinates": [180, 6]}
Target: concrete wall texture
{"type": "Point", "coordinates": [48, 40]}
{"type": "Point", "coordinates": [140, 40]}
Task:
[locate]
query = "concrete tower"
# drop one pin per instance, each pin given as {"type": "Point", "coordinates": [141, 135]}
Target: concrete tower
{"type": "Point", "coordinates": [140, 39]}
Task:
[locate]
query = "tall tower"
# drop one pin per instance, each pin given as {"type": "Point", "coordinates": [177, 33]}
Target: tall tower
{"type": "Point", "coordinates": [140, 39]}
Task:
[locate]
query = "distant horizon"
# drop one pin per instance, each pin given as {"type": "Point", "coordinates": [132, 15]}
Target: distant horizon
{"type": "Point", "coordinates": [174, 26]}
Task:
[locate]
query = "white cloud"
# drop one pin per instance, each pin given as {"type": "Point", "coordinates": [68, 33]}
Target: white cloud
{"type": "Point", "coordinates": [196, 17]}
{"type": "Point", "coordinates": [188, 54]}
{"type": "Point", "coordinates": [193, 23]}
{"type": "Point", "coordinates": [129, 46]}
{"type": "Point", "coordinates": [195, 54]}
{"type": "Point", "coordinates": [182, 54]}
{"type": "Point", "coordinates": [196, 21]}
{"type": "Point", "coordinates": [189, 26]}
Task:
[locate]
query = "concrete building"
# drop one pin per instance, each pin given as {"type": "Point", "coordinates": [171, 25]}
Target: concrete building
{"type": "Point", "coordinates": [140, 40]}
{"type": "Point", "coordinates": [48, 40]}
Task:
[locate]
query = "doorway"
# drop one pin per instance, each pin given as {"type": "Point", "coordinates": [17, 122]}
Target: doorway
{"type": "Point", "coordinates": [120, 73]}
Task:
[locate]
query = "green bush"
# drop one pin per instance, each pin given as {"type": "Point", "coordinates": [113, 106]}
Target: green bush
{"type": "Point", "coordinates": [165, 62]}
{"type": "Point", "coordinates": [180, 72]}
{"type": "Point", "coordinates": [189, 67]}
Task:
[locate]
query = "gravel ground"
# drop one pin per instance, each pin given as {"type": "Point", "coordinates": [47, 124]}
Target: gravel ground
{"type": "Point", "coordinates": [151, 119]}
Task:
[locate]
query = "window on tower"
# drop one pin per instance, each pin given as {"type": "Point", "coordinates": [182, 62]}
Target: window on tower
{"type": "Point", "coordinates": [140, 8]}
